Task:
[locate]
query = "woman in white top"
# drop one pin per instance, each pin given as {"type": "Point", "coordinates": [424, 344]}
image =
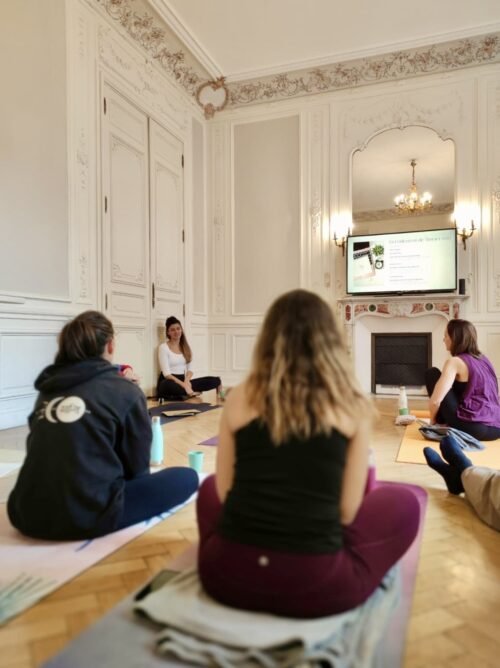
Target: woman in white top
{"type": "Point", "coordinates": [176, 378]}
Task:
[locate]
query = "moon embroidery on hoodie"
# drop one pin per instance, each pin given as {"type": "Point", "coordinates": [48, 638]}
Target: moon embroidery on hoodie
{"type": "Point", "coordinates": [49, 408]}
{"type": "Point", "coordinates": [65, 409]}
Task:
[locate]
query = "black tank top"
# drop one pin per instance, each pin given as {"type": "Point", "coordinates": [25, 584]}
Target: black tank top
{"type": "Point", "coordinates": [286, 497]}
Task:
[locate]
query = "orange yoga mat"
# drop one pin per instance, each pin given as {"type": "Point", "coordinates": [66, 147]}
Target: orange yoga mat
{"type": "Point", "coordinates": [413, 444]}
{"type": "Point", "coordinates": [420, 414]}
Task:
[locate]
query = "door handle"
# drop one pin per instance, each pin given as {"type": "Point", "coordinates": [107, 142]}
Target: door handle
{"type": "Point", "coordinates": [153, 300]}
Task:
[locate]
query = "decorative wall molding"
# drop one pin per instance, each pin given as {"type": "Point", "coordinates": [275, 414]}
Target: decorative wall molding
{"type": "Point", "coordinates": [493, 193]}
{"type": "Point", "coordinates": [315, 258]}
{"type": "Point", "coordinates": [141, 77]}
{"type": "Point", "coordinates": [388, 214]}
{"type": "Point", "coordinates": [82, 143]}
{"type": "Point", "coordinates": [395, 66]}
{"type": "Point", "coordinates": [446, 108]}
{"type": "Point", "coordinates": [408, 306]}
{"type": "Point", "coordinates": [218, 173]}
{"type": "Point", "coordinates": [154, 37]}
{"type": "Point", "coordinates": [442, 113]}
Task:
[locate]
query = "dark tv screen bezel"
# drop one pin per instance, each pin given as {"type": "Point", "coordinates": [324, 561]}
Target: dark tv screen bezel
{"type": "Point", "coordinates": [401, 292]}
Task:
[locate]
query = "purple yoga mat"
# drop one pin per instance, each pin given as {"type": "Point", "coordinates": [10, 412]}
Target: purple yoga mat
{"type": "Point", "coordinates": [391, 650]}
{"type": "Point", "coordinates": [210, 441]}
{"type": "Point", "coordinates": [178, 406]}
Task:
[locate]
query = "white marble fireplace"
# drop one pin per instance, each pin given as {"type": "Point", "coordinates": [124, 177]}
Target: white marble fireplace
{"type": "Point", "coordinates": [364, 316]}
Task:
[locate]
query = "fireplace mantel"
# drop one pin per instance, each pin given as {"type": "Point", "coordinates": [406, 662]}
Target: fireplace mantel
{"type": "Point", "coordinates": [395, 314]}
{"type": "Point", "coordinates": [410, 306]}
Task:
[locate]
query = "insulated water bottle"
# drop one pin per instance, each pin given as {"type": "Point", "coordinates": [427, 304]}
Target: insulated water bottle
{"type": "Point", "coordinates": [157, 443]}
{"type": "Point", "coordinates": [403, 401]}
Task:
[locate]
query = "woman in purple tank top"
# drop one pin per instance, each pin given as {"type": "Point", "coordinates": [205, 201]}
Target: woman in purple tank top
{"type": "Point", "coordinates": [465, 394]}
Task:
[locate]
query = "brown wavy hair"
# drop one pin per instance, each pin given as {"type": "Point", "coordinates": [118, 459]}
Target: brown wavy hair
{"type": "Point", "coordinates": [84, 337]}
{"type": "Point", "coordinates": [301, 371]}
{"type": "Point", "coordinates": [463, 336]}
{"type": "Point", "coordinates": [183, 344]}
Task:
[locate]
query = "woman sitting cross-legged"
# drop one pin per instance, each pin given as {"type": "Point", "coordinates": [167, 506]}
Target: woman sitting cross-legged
{"type": "Point", "coordinates": [288, 525]}
{"type": "Point", "coordinates": [176, 378]}
{"type": "Point", "coordinates": [465, 394]}
{"type": "Point", "coordinates": [86, 471]}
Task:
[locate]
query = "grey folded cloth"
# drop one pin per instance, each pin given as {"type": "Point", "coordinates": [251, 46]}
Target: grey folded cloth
{"type": "Point", "coordinates": [437, 432]}
{"type": "Point", "coordinates": [202, 631]}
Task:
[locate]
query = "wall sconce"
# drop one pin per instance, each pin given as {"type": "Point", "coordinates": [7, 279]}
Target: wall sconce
{"type": "Point", "coordinates": [465, 232]}
{"type": "Point", "coordinates": [340, 242]}
{"type": "Point", "coordinates": [342, 228]}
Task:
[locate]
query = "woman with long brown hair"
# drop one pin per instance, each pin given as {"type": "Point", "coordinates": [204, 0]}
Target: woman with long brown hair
{"type": "Point", "coordinates": [465, 394]}
{"type": "Point", "coordinates": [288, 524]}
{"type": "Point", "coordinates": [175, 359]}
{"type": "Point", "coordinates": [86, 471]}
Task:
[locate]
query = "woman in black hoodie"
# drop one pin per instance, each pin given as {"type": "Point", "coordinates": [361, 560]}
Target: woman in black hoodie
{"type": "Point", "coordinates": [86, 471]}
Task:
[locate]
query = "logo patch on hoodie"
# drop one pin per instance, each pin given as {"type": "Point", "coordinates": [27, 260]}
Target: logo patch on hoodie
{"type": "Point", "coordinates": [64, 409]}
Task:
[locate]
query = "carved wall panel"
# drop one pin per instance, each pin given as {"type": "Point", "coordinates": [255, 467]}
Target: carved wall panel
{"type": "Point", "coordinates": [315, 252]}
{"type": "Point", "coordinates": [219, 165]}
{"type": "Point", "coordinates": [23, 354]}
{"type": "Point", "coordinates": [140, 79]}
{"type": "Point", "coordinates": [266, 212]}
{"type": "Point", "coordinates": [242, 348]}
{"type": "Point", "coordinates": [219, 351]}
{"type": "Point", "coordinates": [491, 207]}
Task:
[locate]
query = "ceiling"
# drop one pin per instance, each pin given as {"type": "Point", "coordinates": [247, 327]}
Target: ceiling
{"type": "Point", "coordinates": [383, 170]}
{"type": "Point", "coordinates": [246, 38]}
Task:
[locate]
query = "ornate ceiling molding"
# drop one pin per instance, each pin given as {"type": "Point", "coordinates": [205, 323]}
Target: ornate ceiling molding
{"type": "Point", "coordinates": [395, 66]}
{"type": "Point", "coordinates": [153, 35]}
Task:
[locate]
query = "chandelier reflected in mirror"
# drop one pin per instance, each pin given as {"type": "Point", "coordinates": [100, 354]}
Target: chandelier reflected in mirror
{"type": "Point", "coordinates": [412, 202]}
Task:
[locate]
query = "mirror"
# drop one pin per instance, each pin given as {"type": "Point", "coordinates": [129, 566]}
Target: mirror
{"type": "Point", "coordinates": [383, 170]}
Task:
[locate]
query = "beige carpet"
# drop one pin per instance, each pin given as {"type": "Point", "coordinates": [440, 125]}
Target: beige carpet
{"type": "Point", "coordinates": [413, 444]}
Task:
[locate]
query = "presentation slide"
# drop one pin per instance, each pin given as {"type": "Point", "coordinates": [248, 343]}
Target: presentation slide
{"type": "Point", "coordinates": [402, 262]}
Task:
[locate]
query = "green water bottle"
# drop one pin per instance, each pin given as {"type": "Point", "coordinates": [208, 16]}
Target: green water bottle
{"type": "Point", "coordinates": [403, 401]}
{"type": "Point", "coordinates": [157, 442]}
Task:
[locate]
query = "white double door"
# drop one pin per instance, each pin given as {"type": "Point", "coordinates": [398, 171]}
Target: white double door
{"type": "Point", "coordinates": [142, 231]}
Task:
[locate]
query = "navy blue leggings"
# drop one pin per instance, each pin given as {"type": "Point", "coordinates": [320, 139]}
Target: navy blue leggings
{"type": "Point", "coordinates": [447, 413]}
{"type": "Point", "coordinates": [151, 494]}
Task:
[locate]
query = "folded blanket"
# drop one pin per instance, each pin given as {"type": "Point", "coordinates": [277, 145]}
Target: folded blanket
{"type": "Point", "coordinates": [438, 432]}
{"type": "Point", "coordinates": [202, 631]}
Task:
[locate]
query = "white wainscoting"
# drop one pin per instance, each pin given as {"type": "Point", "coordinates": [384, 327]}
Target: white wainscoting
{"type": "Point", "coordinates": [231, 349]}
{"type": "Point", "coordinates": [25, 349]}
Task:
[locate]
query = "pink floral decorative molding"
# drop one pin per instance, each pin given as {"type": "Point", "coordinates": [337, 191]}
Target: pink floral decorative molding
{"type": "Point", "coordinates": [152, 34]}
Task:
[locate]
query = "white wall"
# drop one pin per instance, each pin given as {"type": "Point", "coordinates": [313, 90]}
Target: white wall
{"type": "Point", "coordinates": [55, 57]}
{"type": "Point", "coordinates": [33, 149]}
{"type": "Point", "coordinates": [266, 222]}
{"type": "Point", "coordinates": [463, 106]}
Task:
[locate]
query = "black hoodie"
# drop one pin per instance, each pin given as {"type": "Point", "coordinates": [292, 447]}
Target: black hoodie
{"type": "Point", "coordinates": [89, 432]}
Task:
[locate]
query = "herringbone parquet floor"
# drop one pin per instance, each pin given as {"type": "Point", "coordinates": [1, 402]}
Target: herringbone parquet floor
{"type": "Point", "coordinates": [455, 618]}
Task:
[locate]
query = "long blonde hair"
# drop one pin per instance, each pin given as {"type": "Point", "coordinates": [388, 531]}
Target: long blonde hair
{"type": "Point", "coordinates": [301, 371]}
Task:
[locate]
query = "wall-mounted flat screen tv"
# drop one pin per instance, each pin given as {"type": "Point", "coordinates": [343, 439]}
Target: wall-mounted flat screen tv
{"type": "Point", "coordinates": [402, 262]}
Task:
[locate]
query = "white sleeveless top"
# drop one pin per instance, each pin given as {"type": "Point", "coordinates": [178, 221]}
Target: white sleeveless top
{"type": "Point", "coordinates": [172, 363]}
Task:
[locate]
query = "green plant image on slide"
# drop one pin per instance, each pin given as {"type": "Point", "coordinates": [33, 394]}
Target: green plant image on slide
{"type": "Point", "coordinates": [378, 251]}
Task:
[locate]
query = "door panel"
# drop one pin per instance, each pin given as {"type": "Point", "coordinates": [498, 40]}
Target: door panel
{"type": "Point", "coordinates": [167, 223]}
{"type": "Point", "coordinates": [125, 183]}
